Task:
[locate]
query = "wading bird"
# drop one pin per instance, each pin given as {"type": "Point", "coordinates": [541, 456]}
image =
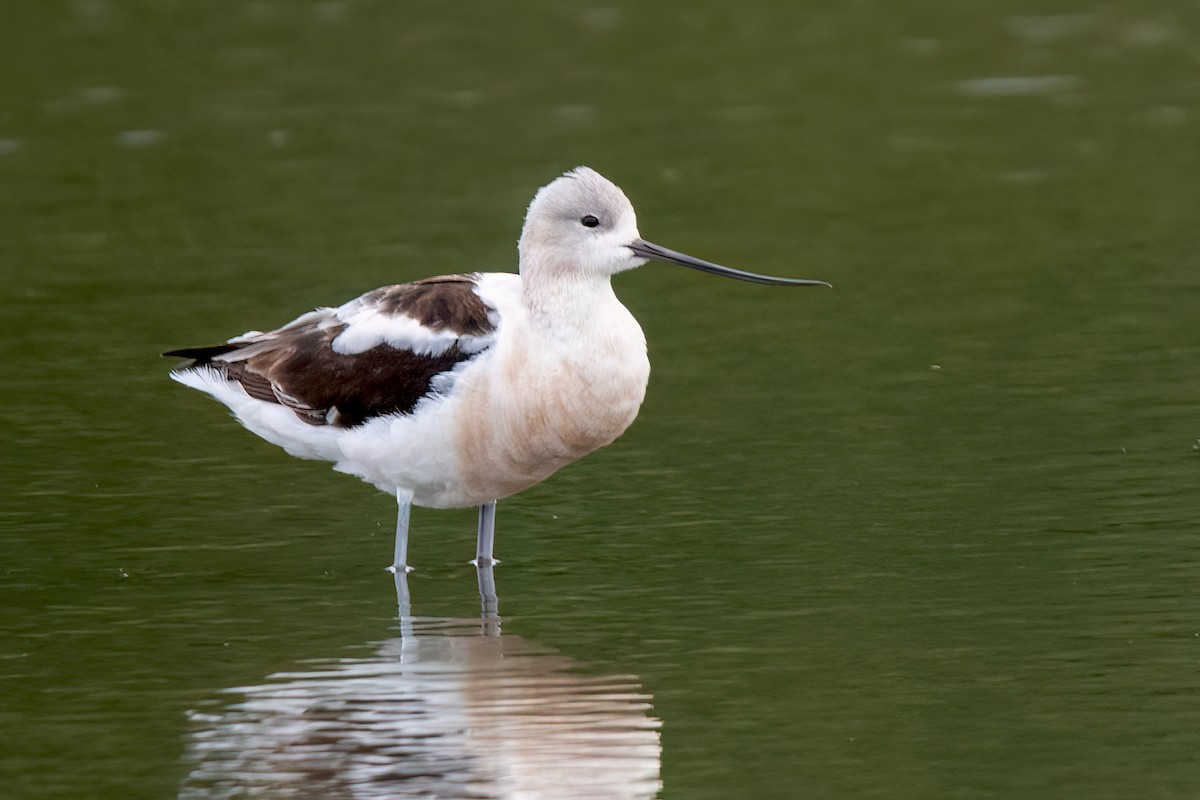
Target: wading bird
{"type": "Point", "coordinates": [461, 390]}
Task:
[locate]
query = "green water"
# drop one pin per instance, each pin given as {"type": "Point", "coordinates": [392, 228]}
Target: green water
{"type": "Point", "coordinates": [932, 534]}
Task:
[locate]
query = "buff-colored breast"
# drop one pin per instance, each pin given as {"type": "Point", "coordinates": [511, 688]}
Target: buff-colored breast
{"type": "Point", "coordinates": [522, 423]}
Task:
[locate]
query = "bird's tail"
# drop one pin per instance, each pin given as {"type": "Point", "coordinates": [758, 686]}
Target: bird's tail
{"type": "Point", "coordinates": [200, 355]}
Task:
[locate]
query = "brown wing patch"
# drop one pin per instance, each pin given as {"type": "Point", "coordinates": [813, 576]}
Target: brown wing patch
{"type": "Point", "coordinates": [444, 303]}
{"type": "Point", "coordinates": [297, 367]}
{"type": "Point", "coordinates": [303, 372]}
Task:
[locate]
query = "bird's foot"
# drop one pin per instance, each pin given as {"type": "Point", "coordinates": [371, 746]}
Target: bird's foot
{"type": "Point", "coordinates": [394, 568]}
{"type": "Point", "coordinates": [483, 561]}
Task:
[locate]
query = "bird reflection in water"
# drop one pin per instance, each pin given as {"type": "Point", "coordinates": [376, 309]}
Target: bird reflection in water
{"type": "Point", "coordinates": [452, 708]}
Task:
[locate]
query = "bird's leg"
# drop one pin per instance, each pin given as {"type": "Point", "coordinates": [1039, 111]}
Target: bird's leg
{"type": "Point", "coordinates": [400, 561]}
{"type": "Point", "coordinates": [487, 535]}
{"type": "Point", "coordinates": [403, 601]}
{"type": "Point", "coordinates": [489, 602]}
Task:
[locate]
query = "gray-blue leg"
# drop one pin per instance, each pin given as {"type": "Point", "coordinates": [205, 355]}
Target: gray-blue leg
{"type": "Point", "coordinates": [403, 602]}
{"type": "Point", "coordinates": [490, 603]}
{"type": "Point", "coordinates": [487, 535]}
{"type": "Point", "coordinates": [400, 559]}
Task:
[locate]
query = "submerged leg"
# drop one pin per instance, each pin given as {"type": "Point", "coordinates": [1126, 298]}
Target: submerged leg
{"type": "Point", "coordinates": [489, 602]}
{"type": "Point", "coordinates": [400, 560]}
{"type": "Point", "coordinates": [487, 535]}
{"type": "Point", "coordinates": [403, 601]}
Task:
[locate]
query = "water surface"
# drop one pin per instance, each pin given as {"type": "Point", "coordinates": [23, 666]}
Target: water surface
{"type": "Point", "coordinates": [929, 534]}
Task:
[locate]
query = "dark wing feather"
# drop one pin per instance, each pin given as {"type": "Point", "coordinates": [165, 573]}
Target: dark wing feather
{"type": "Point", "coordinates": [297, 367]}
{"type": "Point", "coordinates": [202, 353]}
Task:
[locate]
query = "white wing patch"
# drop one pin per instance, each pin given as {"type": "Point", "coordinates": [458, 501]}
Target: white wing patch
{"type": "Point", "coordinates": [368, 326]}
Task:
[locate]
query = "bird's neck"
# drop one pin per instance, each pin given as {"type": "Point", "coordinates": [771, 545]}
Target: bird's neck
{"type": "Point", "coordinates": [560, 296]}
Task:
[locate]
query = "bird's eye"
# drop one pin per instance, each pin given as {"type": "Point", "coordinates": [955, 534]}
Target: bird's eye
{"type": "Point", "coordinates": [589, 221]}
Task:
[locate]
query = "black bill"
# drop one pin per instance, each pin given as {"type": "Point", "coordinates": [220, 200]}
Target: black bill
{"type": "Point", "coordinates": [648, 250]}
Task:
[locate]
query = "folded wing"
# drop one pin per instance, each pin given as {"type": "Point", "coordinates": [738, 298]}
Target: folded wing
{"type": "Point", "coordinates": [378, 354]}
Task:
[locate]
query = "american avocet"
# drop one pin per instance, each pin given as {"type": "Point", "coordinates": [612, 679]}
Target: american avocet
{"type": "Point", "coordinates": [461, 390]}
